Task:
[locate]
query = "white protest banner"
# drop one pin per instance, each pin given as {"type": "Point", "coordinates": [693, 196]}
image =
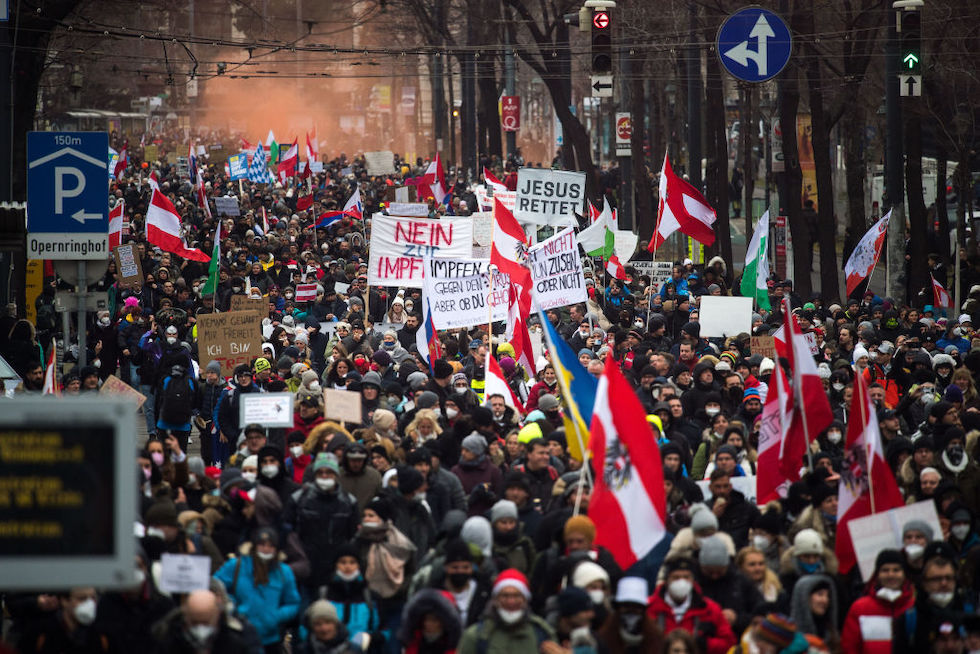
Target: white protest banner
{"type": "Point", "coordinates": [625, 243]}
{"type": "Point", "coordinates": [410, 209]}
{"type": "Point", "coordinates": [811, 341]}
{"type": "Point", "coordinates": [328, 328]}
{"type": "Point", "coordinates": [316, 166]}
{"type": "Point", "coordinates": [305, 292]}
{"type": "Point", "coordinates": [184, 573]}
{"type": "Point", "coordinates": [482, 228]}
{"type": "Point", "coordinates": [556, 270]}
{"type": "Point", "coordinates": [399, 244]}
{"type": "Point", "coordinates": [659, 271]}
{"type": "Point", "coordinates": [744, 485]}
{"type": "Point", "coordinates": [549, 197]}
{"type": "Point", "coordinates": [458, 292]}
{"type": "Point", "coordinates": [226, 206]}
{"type": "Point", "coordinates": [380, 163]}
{"type": "Point", "coordinates": [266, 409]}
{"type": "Point", "coordinates": [342, 405]}
{"type": "Point", "coordinates": [725, 316]}
{"type": "Point", "coordinates": [238, 166]}
{"type": "Point", "coordinates": [880, 531]}
{"type": "Point", "coordinates": [537, 344]}
{"type": "Point", "coordinates": [507, 198]}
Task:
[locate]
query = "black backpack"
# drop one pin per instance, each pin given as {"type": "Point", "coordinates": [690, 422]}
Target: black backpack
{"type": "Point", "coordinates": [178, 401]}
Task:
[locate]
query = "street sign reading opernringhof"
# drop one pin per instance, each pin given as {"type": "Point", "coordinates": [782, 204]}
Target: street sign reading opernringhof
{"type": "Point", "coordinates": [754, 44]}
{"type": "Point", "coordinates": [67, 206]}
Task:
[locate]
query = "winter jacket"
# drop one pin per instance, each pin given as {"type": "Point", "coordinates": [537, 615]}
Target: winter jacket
{"type": "Point", "coordinates": [429, 601]}
{"type": "Point", "coordinates": [356, 608]}
{"type": "Point", "coordinates": [478, 473]}
{"type": "Point", "coordinates": [733, 591]}
{"type": "Point", "coordinates": [703, 619]}
{"type": "Point", "coordinates": [523, 638]}
{"type": "Point", "coordinates": [868, 626]}
{"type": "Point", "coordinates": [363, 485]}
{"type": "Point", "coordinates": [270, 606]}
{"type": "Point", "coordinates": [323, 520]}
{"type": "Point", "coordinates": [737, 518]}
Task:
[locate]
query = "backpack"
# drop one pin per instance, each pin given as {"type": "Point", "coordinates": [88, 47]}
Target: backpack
{"type": "Point", "coordinates": [177, 403]}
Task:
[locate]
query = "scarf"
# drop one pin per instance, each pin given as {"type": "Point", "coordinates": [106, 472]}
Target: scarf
{"type": "Point", "coordinates": [386, 559]}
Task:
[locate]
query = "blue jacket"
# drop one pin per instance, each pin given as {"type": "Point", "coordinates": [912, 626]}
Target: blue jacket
{"type": "Point", "coordinates": [270, 606]}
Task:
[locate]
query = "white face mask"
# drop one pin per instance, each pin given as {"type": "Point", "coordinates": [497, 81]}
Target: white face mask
{"type": "Point", "coordinates": [597, 596]}
{"type": "Point", "coordinates": [834, 436]}
{"type": "Point", "coordinates": [941, 600]}
{"type": "Point", "coordinates": [712, 411]}
{"type": "Point", "coordinates": [201, 632]}
{"type": "Point", "coordinates": [914, 551]}
{"type": "Point", "coordinates": [961, 531]}
{"type": "Point", "coordinates": [888, 594]}
{"type": "Point", "coordinates": [296, 451]}
{"type": "Point", "coordinates": [171, 340]}
{"type": "Point", "coordinates": [370, 524]}
{"type": "Point", "coordinates": [680, 589]}
{"type": "Point", "coordinates": [761, 542]}
{"type": "Point", "coordinates": [451, 413]}
{"type": "Point", "coordinates": [837, 386]}
{"type": "Point", "coordinates": [326, 484]}
{"type": "Point", "coordinates": [156, 532]}
{"type": "Point", "coordinates": [249, 476]}
{"type": "Point", "coordinates": [348, 576]}
{"type": "Point", "coordinates": [510, 617]}
{"type": "Point", "coordinates": [104, 322]}
{"type": "Point", "coordinates": [265, 556]}
{"type": "Point", "coordinates": [85, 612]}
{"type": "Point", "coordinates": [270, 471]}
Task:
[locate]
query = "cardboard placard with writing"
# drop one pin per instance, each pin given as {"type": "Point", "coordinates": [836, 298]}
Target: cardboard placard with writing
{"type": "Point", "coordinates": [342, 405]}
{"type": "Point", "coordinates": [764, 345]}
{"type": "Point", "coordinates": [151, 153]}
{"type": "Point", "coordinates": [115, 386]}
{"type": "Point", "coordinates": [128, 264]}
{"type": "Point", "coordinates": [246, 303]}
{"type": "Point", "coordinates": [231, 338]}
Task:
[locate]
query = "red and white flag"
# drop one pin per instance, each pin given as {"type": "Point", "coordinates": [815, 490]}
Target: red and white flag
{"type": "Point", "coordinates": [492, 181]}
{"type": "Point", "coordinates": [940, 298]}
{"type": "Point", "coordinates": [615, 268]}
{"type": "Point", "coordinates": [305, 292]}
{"type": "Point", "coordinates": [202, 195]}
{"type": "Point", "coordinates": [508, 251]}
{"type": "Point", "coordinates": [122, 162]}
{"type": "Point", "coordinates": [304, 202]}
{"type": "Point", "coordinates": [289, 162]}
{"type": "Point", "coordinates": [777, 420]}
{"type": "Point", "coordinates": [265, 222]}
{"type": "Point", "coordinates": [51, 386]}
{"type": "Point", "coordinates": [594, 211]}
{"type": "Point", "coordinates": [496, 384]}
{"type": "Point", "coordinates": [865, 256]}
{"type": "Point", "coordinates": [163, 229]}
{"type": "Point", "coordinates": [433, 182]}
{"type": "Point", "coordinates": [116, 225]}
{"type": "Point", "coordinates": [517, 333]}
{"type": "Point", "coordinates": [628, 503]}
{"type": "Point", "coordinates": [354, 208]}
{"type": "Point", "coordinates": [867, 484]}
{"type": "Point", "coordinates": [154, 181]}
{"type": "Point", "coordinates": [311, 153]}
{"type": "Point", "coordinates": [682, 207]}
{"type": "Point", "coordinates": [813, 413]}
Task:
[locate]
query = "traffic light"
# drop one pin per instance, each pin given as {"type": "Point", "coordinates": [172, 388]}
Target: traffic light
{"type": "Point", "coordinates": [601, 42]}
{"type": "Point", "coordinates": [911, 39]}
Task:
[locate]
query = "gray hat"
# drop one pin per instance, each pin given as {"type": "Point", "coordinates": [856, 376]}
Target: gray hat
{"type": "Point", "coordinates": [322, 610]}
{"type": "Point", "coordinates": [417, 380]}
{"type": "Point", "coordinates": [548, 402]}
{"type": "Point", "coordinates": [503, 509]}
{"type": "Point", "coordinates": [475, 443]}
{"type": "Point", "coordinates": [195, 464]}
{"type": "Point", "coordinates": [426, 400]}
{"type": "Point", "coordinates": [702, 518]}
{"type": "Point", "coordinates": [920, 526]}
{"type": "Point", "coordinates": [713, 552]}
{"type": "Point", "coordinates": [214, 366]}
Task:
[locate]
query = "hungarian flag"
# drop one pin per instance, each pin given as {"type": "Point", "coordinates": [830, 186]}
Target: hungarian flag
{"type": "Point", "coordinates": [756, 270]}
{"type": "Point", "coordinates": [813, 413]}
{"type": "Point", "coordinates": [496, 384]}
{"type": "Point", "coordinates": [615, 268]}
{"type": "Point", "coordinates": [287, 166]}
{"type": "Point", "coordinates": [599, 238]}
{"type": "Point", "coordinates": [122, 162]}
{"type": "Point", "coordinates": [51, 386]}
{"type": "Point", "coordinates": [116, 225]}
{"type": "Point", "coordinates": [211, 286]}
{"type": "Point", "coordinates": [163, 229]}
{"type": "Point", "coordinates": [777, 420]}
{"type": "Point", "coordinates": [628, 503]}
{"type": "Point", "coordinates": [940, 298]}
{"type": "Point", "coordinates": [865, 256]}
{"type": "Point", "coordinates": [682, 207]}
{"type": "Point", "coordinates": [867, 485]}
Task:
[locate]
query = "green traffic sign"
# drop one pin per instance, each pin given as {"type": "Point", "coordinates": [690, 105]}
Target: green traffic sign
{"type": "Point", "coordinates": [911, 60]}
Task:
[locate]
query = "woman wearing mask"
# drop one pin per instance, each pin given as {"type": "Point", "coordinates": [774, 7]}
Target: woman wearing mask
{"type": "Point", "coordinates": [831, 441]}
{"type": "Point", "coordinates": [889, 594]}
{"type": "Point", "coordinates": [263, 589]}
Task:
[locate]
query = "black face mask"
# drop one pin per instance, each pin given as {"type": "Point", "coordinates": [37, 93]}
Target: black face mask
{"type": "Point", "coordinates": [736, 393]}
{"type": "Point", "coordinates": [458, 579]}
{"type": "Point", "coordinates": [955, 454]}
{"type": "Point", "coordinates": [632, 622]}
{"type": "Point", "coordinates": [505, 537]}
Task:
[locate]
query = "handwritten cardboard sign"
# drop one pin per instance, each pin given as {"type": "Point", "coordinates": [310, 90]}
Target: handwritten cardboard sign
{"type": "Point", "coordinates": [128, 264]}
{"type": "Point", "coordinates": [342, 405]}
{"type": "Point", "coordinates": [115, 386]}
{"type": "Point", "coordinates": [764, 345]}
{"type": "Point", "coordinates": [231, 338]}
{"type": "Point", "coordinates": [556, 270]}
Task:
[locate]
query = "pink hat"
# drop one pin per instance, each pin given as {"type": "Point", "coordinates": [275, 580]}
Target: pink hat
{"type": "Point", "coordinates": [131, 301]}
{"type": "Point", "coordinates": [512, 579]}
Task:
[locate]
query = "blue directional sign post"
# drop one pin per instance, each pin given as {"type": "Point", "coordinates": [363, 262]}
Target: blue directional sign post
{"type": "Point", "coordinates": [754, 44]}
{"type": "Point", "coordinates": [67, 201]}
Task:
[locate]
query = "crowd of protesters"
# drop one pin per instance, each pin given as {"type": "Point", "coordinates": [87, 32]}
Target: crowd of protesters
{"type": "Point", "coordinates": [447, 520]}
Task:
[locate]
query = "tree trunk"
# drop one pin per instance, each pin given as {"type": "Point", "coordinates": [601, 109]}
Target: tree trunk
{"type": "Point", "coordinates": [642, 201]}
{"type": "Point", "coordinates": [745, 136]}
{"type": "Point", "coordinates": [490, 134]}
{"type": "Point", "coordinates": [716, 154]}
{"type": "Point", "coordinates": [918, 231]}
{"type": "Point", "coordinates": [853, 133]}
{"type": "Point", "coordinates": [792, 190]}
{"type": "Point", "coordinates": [942, 238]}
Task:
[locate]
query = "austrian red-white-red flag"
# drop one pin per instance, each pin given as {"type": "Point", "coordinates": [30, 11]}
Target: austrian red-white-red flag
{"type": "Point", "coordinates": [163, 229]}
{"type": "Point", "coordinates": [153, 180]}
{"type": "Point", "coordinates": [813, 413]}
{"type": "Point", "coordinates": [940, 298]}
{"type": "Point", "coordinates": [116, 225]}
{"type": "Point", "coordinates": [51, 386]}
{"type": "Point", "coordinates": [289, 162]}
{"type": "Point", "coordinates": [517, 332]}
{"type": "Point", "coordinates": [628, 504]}
{"type": "Point", "coordinates": [122, 162]}
{"type": "Point", "coordinates": [508, 251]}
{"type": "Point", "coordinates": [491, 180]}
{"type": "Point", "coordinates": [681, 207]}
{"type": "Point", "coordinates": [433, 182]}
{"type": "Point", "coordinates": [202, 194]}
{"type": "Point", "coordinates": [615, 268]}
{"type": "Point", "coordinates": [867, 484]}
{"type": "Point", "coordinates": [496, 384]}
{"type": "Point", "coordinates": [311, 152]}
{"type": "Point", "coordinates": [865, 256]}
{"type": "Point", "coordinates": [777, 420]}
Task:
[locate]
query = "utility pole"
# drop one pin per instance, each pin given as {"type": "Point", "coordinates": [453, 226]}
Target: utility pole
{"type": "Point", "coordinates": [694, 87]}
{"type": "Point", "coordinates": [510, 137]}
{"type": "Point", "coordinates": [625, 209]}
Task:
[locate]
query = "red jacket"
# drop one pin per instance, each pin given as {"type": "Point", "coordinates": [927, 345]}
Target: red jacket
{"type": "Point", "coordinates": [861, 636]}
{"type": "Point", "coordinates": [703, 619]}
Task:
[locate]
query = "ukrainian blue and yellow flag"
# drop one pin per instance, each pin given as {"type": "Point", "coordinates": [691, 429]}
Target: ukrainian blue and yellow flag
{"type": "Point", "coordinates": [578, 389]}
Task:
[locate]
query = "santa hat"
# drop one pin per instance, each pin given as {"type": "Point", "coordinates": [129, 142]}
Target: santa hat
{"type": "Point", "coordinates": [512, 579]}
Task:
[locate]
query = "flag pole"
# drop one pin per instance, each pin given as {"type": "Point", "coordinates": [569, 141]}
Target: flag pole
{"type": "Point", "coordinates": [868, 462]}
{"type": "Point", "coordinates": [797, 392]}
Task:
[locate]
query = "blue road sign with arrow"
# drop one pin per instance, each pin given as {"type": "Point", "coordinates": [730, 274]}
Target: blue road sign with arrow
{"type": "Point", "coordinates": [754, 44]}
{"type": "Point", "coordinates": [67, 195]}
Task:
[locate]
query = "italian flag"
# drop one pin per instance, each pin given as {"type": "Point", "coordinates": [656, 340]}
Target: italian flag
{"type": "Point", "coordinates": [756, 269]}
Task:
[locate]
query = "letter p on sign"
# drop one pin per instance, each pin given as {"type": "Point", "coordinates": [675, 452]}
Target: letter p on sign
{"type": "Point", "coordinates": [60, 192]}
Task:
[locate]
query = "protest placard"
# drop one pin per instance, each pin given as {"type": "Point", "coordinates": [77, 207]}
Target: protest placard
{"type": "Point", "coordinates": [238, 166]}
{"type": "Point", "coordinates": [151, 153]}
{"type": "Point", "coordinates": [245, 303]}
{"type": "Point", "coordinates": [410, 209]}
{"type": "Point", "coordinates": [226, 206]}
{"type": "Point", "coordinates": [625, 244]}
{"type": "Point", "coordinates": [231, 338]}
{"type": "Point", "coordinates": [316, 166]}
{"type": "Point", "coordinates": [556, 270]}
{"type": "Point", "coordinates": [485, 201]}
{"type": "Point", "coordinates": [380, 163]}
{"type": "Point", "coordinates": [879, 531]}
{"type": "Point", "coordinates": [549, 197]}
{"type": "Point", "coordinates": [342, 405]}
{"type": "Point", "coordinates": [115, 386]}
{"type": "Point", "coordinates": [184, 573]}
{"type": "Point", "coordinates": [764, 346]}
{"type": "Point", "coordinates": [482, 228]}
{"type": "Point", "coordinates": [744, 485]}
{"type": "Point", "coordinates": [659, 272]}
{"type": "Point", "coordinates": [128, 264]}
{"type": "Point", "coordinates": [811, 341]}
{"type": "Point", "coordinates": [725, 316]}
{"type": "Point", "coordinates": [305, 292]}
{"type": "Point", "coordinates": [399, 244]}
{"type": "Point", "coordinates": [266, 409]}
{"type": "Point", "coordinates": [459, 291]}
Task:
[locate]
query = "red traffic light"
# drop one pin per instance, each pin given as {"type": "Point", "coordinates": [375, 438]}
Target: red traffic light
{"type": "Point", "coordinates": [600, 20]}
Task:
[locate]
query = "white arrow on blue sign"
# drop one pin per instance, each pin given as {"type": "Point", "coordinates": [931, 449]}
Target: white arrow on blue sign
{"type": "Point", "coordinates": [67, 195]}
{"type": "Point", "coordinates": [754, 44]}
